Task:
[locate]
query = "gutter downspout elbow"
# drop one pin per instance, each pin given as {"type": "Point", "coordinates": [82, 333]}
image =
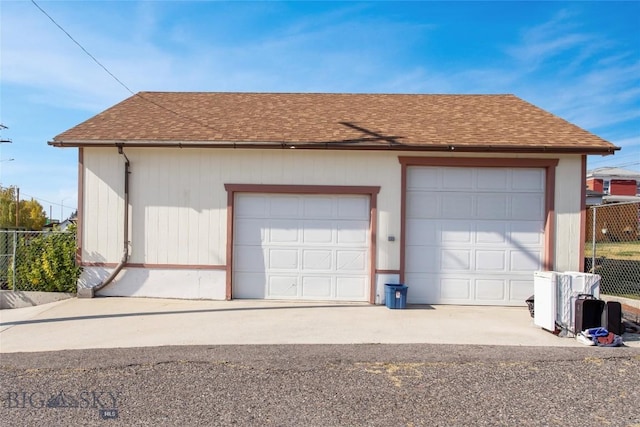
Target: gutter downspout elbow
{"type": "Point", "coordinates": [90, 292]}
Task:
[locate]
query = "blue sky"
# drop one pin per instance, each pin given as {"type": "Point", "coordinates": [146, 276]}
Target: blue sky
{"type": "Point", "coordinates": [579, 60]}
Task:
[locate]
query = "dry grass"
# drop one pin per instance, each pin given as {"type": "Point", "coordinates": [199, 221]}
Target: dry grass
{"type": "Point", "coordinates": [616, 250]}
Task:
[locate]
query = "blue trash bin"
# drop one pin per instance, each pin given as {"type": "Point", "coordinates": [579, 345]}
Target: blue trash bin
{"type": "Point", "coordinates": [395, 296]}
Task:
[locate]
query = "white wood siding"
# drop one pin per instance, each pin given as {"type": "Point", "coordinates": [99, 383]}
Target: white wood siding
{"type": "Point", "coordinates": [568, 205]}
{"type": "Point", "coordinates": [178, 200]}
{"type": "Point", "coordinates": [177, 216]}
{"type": "Point", "coordinates": [103, 207]}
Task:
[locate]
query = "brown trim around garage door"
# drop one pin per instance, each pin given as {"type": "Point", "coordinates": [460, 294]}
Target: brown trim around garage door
{"type": "Point", "coordinates": [550, 181]}
{"type": "Point", "coordinates": [371, 191]}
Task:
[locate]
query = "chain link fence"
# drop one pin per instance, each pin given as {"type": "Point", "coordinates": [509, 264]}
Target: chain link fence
{"type": "Point", "coordinates": [38, 261]}
{"type": "Point", "coordinates": [612, 248]}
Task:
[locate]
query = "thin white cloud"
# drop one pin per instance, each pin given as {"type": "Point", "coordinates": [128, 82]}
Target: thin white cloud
{"type": "Point", "coordinates": [304, 56]}
{"type": "Point", "coordinates": [296, 57]}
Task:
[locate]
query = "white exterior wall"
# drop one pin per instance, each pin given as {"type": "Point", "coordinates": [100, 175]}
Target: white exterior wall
{"type": "Point", "coordinates": [178, 208]}
{"type": "Point", "coordinates": [103, 207]}
{"type": "Point", "coordinates": [178, 200]}
{"type": "Point", "coordinates": [569, 182]}
{"type": "Point", "coordinates": [159, 282]}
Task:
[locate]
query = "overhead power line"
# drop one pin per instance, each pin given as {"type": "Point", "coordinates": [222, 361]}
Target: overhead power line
{"type": "Point", "coordinates": [2, 127]}
{"type": "Point", "coordinates": [82, 47]}
{"type": "Point", "coordinates": [47, 201]}
{"type": "Point", "coordinates": [182, 115]}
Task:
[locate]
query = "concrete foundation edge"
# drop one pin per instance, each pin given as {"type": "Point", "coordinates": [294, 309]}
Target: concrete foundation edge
{"type": "Point", "coordinates": [20, 299]}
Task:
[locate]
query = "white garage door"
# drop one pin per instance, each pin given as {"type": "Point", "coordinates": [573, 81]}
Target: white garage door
{"type": "Point", "coordinates": [307, 247]}
{"type": "Point", "coordinates": [473, 235]}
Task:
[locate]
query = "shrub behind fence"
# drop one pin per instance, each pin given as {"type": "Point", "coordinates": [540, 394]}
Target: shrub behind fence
{"type": "Point", "coordinates": [38, 261]}
{"type": "Point", "coordinates": [612, 249]}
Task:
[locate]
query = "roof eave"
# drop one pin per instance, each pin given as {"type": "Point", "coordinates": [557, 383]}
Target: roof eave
{"type": "Point", "coordinates": [339, 145]}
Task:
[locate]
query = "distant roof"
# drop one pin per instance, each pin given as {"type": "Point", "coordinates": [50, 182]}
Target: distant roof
{"type": "Point", "coordinates": [320, 120]}
{"type": "Point", "coordinates": [620, 199]}
{"type": "Point", "coordinates": [613, 173]}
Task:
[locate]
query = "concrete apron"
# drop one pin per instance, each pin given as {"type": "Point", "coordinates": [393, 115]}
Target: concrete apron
{"type": "Point", "coordinates": [142, 322]}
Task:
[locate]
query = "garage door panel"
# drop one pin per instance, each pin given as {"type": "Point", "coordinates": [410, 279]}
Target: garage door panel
{"type": "Point", "coordinates": [490, 289]}
{"type": "Point", "coordinates": [309, 247]}
{"type": "Point", "coordinates": [455, 288]}
{"type": "Point", "coordinates": [525, 261]}
{"type": "Point", "coordinates": [319, 207]}
{"type": "Point", "coordinates": [353, 208]}
{"type": "Point", "coordinates": [284, 206]}
{"type": "Point", "coordinates": [281, 231]}
{"type": "Point", "coordinates": [423, 178]}
{"type": "Point", "coordinates": [520, 289]}
{"type": "Point", "coordinates": [424, 232]}
{"type": "Point", "coordinates": [527, 207]}
{"type": "Point", "coordinates": [491, 232]}
{"type": "Point", "coordinates": [317, 232]}
{"type": "Point", "coordinates": [455, 260]}
{"type": "Point", "coordinates": [250, 232]}
{"type": "Point", "coordinates": [424, 288]}
{"type": "Point", "coordinates": [526, 233]}
{"type": "Point", "coordinates": [318, 287]}
{"type": "Point", "coordinates": [283, 259]}
{"type": "Point", "coordinates": [491, 261]}
{"type": "Point", "coordinates": [525, 180]}
{"type": "Point", "coordinates": [317, 260]}
{"type": "Point", "coordinates": [250, 258]}
{"type": "Point", "coordinates": [492, 179]}
{"type": "Point", "coordinates": [350, 288]}
{"type": "Point", "coordinates": [457, 178]}
{"type": "Point", "coordinates": [422, 259]}
{"type": "Point", "coordinates": [493, 206]}
{"type": "Point", "coordinates": [351, 261]}
{"type": "Point", "coordinates": [457, 206]}
{"type": "Point", "coordinates": [423, 205]}
{"type": "Point", "coordinates": [282, 286]}
{"type": "Point", "coordinates": [456, 232]}
{"type": "Point", "coordinates": [427, 288]}
{"type": "Point", "coordinates": [249, 285]}
{"type": "Point", "coordinates": [475, 236]}
{"type": "Point", "coordinates": [353, 232]}
{"type": "Point", "coordinates": [255, 207]}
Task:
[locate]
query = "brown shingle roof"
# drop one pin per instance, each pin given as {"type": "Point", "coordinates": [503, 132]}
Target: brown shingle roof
{"type": "Point", "coordinates": [461, 122]}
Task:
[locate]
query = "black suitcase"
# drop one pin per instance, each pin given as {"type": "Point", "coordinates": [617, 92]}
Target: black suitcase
{"type": "Point", "coordinates": [588, 312]}
{"type": "Point", "coordinates": [612, 317]}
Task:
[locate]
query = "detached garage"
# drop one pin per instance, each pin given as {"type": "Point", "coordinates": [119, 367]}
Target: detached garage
{"type": "Point", "coordinates": [328, 196]}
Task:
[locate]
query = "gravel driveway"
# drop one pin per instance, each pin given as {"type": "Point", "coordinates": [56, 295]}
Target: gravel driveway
{"type": "Point", "coordinates": [323, 385]}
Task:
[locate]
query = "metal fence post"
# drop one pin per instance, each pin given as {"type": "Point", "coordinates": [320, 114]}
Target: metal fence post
{"type": "Point", "coordinates": [13, 262]}
{"type": "Point", "coordinates": [593, 240]}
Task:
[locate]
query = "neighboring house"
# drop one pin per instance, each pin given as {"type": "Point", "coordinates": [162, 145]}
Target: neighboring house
{"type": "Point", "coordinates": [59, 226]}
{"type": "Point", "coordinates": [67, 222]}
{"type": "Point", "coordinates": [54, 224]}
{"type": "Point", "coordinates": [614, 181]}
{"type": "Point", "coordinates": [594, 198]}
{"type": "Point", "coordinates": [329, 196]}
